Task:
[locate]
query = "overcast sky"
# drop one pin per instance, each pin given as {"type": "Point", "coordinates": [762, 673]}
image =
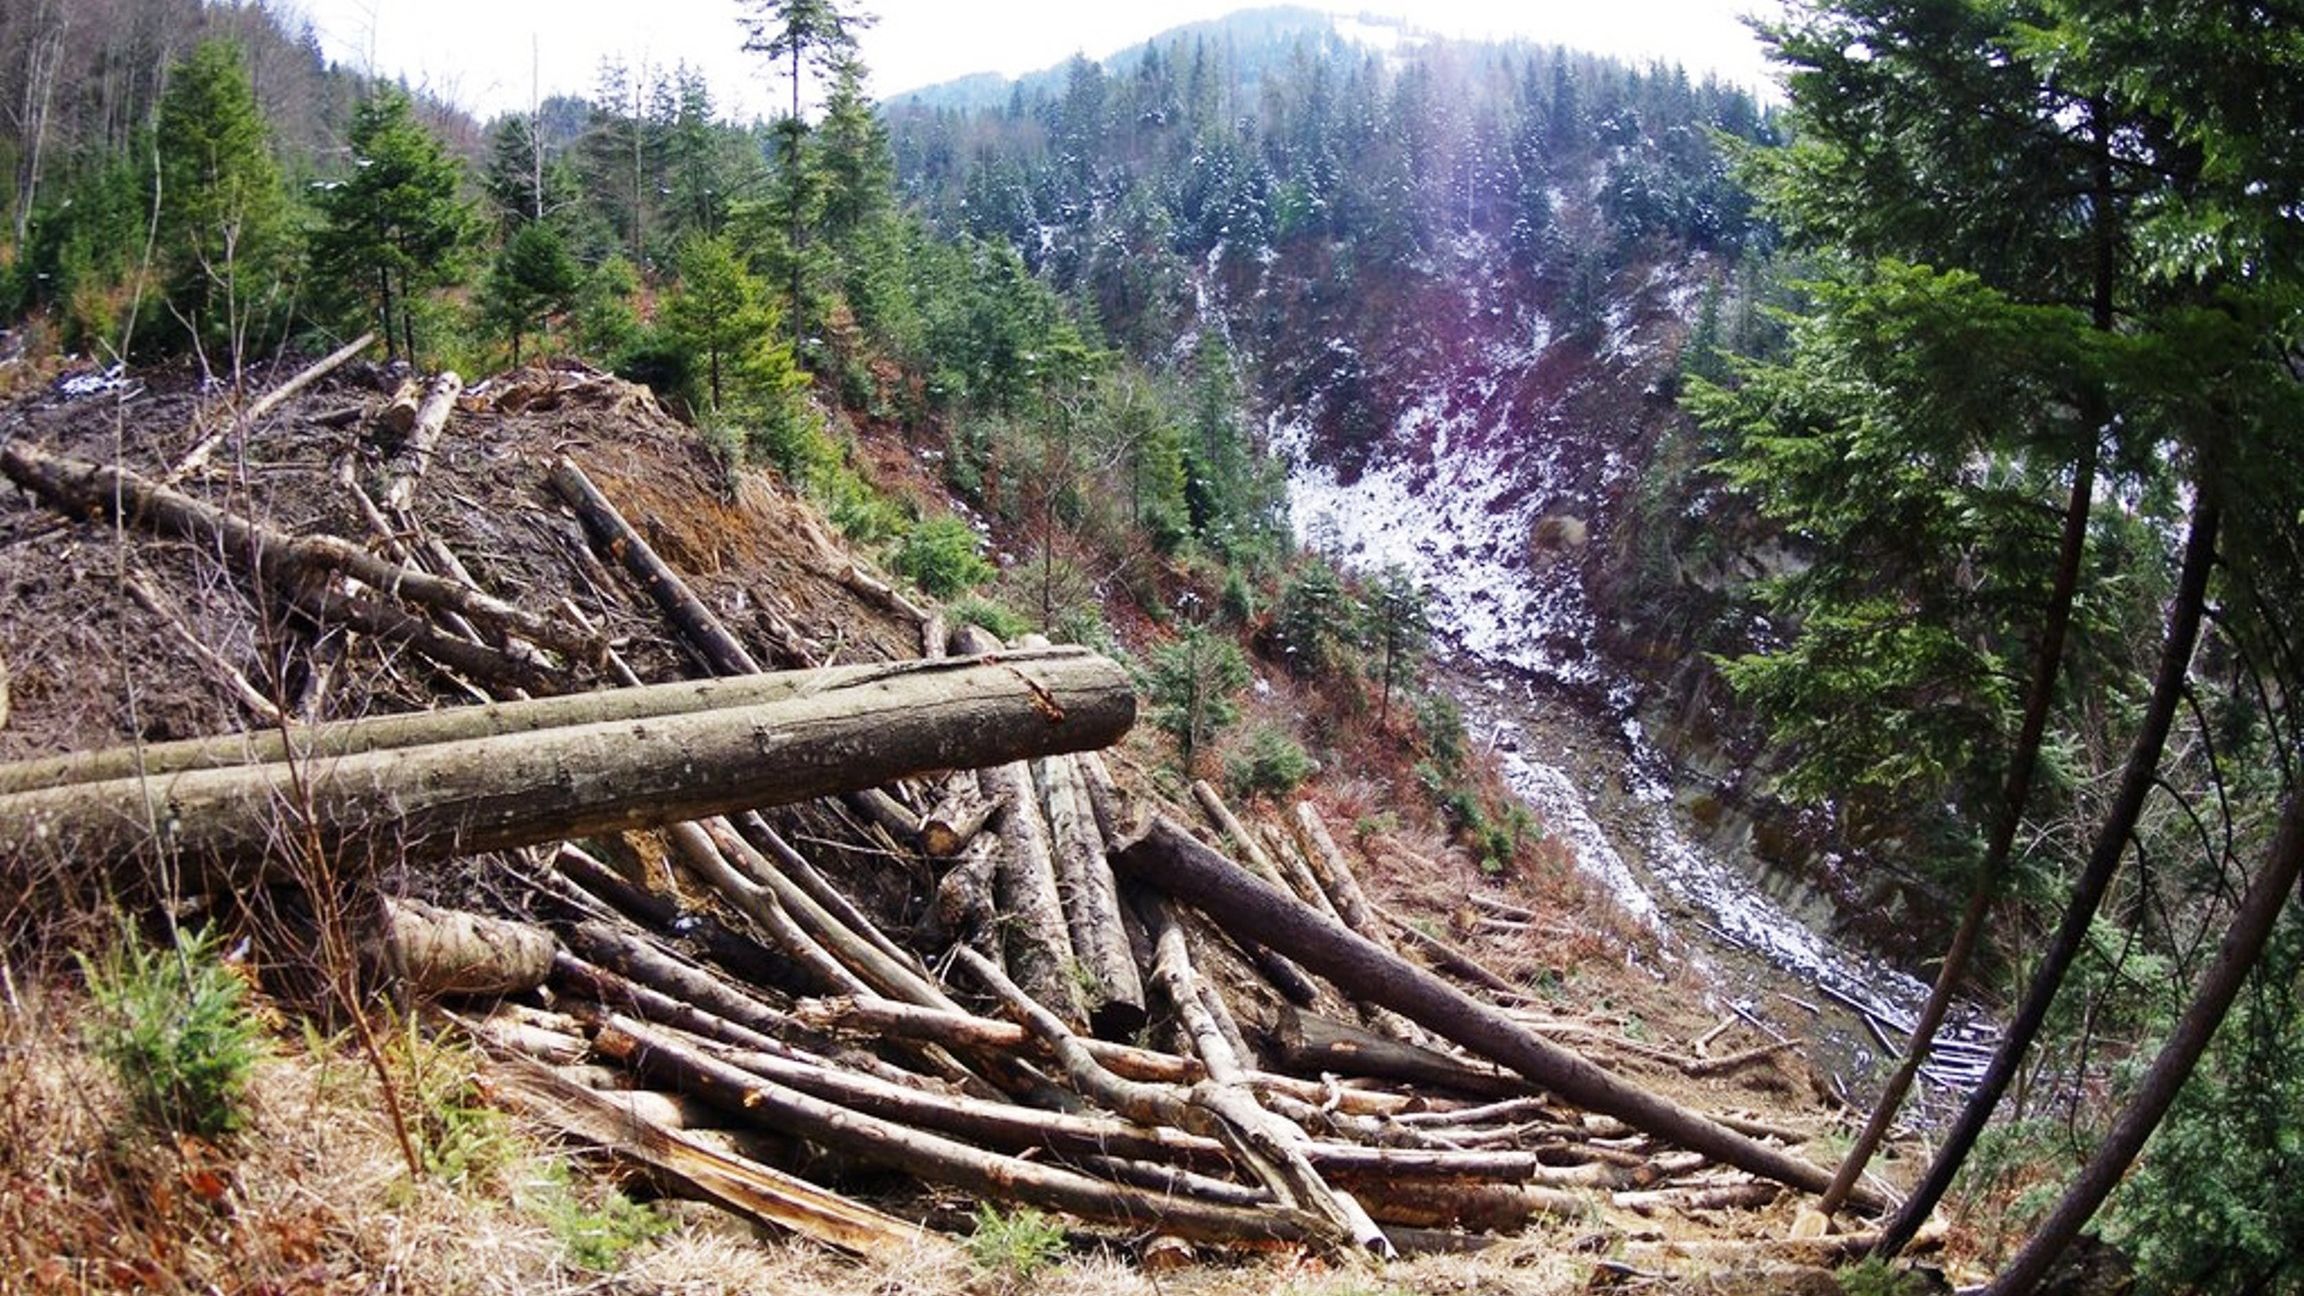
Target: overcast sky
{"type": "Point", "coordinates": [479, 53]}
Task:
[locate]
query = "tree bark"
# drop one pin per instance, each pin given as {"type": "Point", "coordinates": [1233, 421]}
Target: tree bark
{"type": "Point", "coordinates": [1167, 858]}
{"type": "Point", "coordinates": [81, 488]}
{"type": "Point", "coordinates": [1334, 874]}
{"type": "Point", "coordinates": [424, 437]}
{"type": "Point", "coordinates": [461, 724]}
{"type": "Point", "coordinates": [931, 1157]}
{"type": "Point", "coordinates": [442, 952]}
{"type": "Point", "coordinates": [2137, 778]}
{"type": "Point", "coordinates": [746, 1188]}
{"type": "Point", "coordinates": [1311, 1043]}
{"type": "Point", "coordinates": [439, 801]}
{"type": "Point", "coordinates": [2243, 944]}
{"type": "Point", "coordinates": [1091, 900]}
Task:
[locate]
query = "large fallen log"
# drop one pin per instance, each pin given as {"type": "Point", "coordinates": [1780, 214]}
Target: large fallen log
{"type": "Point", "coordinates": [1165, 856]}
{"type": "Point", "coordinates": [100, 490]}
{"type": "Point", "coordinates": [447, 799]}
{"type": "Point", "coordinates": [1091, 901]}
{"type": "Point", "coordinates": [424, 437]}
{"type": "Point", "coordinates": [460, 724]}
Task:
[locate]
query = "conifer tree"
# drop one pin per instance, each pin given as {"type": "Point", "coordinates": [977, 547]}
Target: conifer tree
{"type": "Point", "coordinates": [532, 279]}
{"type": "Point", "coordinates": [224, 229]}
{"type": "Point", "coordinates": [720, 312]}
{"type": "Point", "coordinates": [394, 228]}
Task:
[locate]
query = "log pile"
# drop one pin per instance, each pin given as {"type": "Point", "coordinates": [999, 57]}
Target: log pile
{"type": "Point", "coordinates": [888, 920]}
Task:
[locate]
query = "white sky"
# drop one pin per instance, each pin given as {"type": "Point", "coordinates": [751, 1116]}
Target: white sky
{"type": "Point", "coordinates": [479, 52]}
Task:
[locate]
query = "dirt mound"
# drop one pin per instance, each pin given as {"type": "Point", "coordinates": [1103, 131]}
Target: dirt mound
{"type": "Point", "coordinates": [92, 664]}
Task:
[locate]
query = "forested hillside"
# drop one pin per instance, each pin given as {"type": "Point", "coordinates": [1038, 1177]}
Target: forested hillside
{"type": "Point", "coordinates": [1900, 481]}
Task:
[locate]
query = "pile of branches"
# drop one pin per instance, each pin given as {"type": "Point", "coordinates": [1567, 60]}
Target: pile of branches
{"type": "Point", "coordinates": [896, 915]}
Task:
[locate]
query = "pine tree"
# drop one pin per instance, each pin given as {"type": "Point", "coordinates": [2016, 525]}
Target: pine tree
{"type": "Point", "coordinates": [394, 227]}
{"type": "Point", "coordinates": [721, 313]}
{"type": "Point", "coordinates": [224, 230]}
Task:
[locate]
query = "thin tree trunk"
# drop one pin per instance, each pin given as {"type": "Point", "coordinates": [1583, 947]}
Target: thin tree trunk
{"type": "Point", "coordinates": [2039, 697]}
{"type": "Point", "coordinates": [2136, 780]}
{"type": "Point", "coordinates": [614, 537]}
{"type": "Point", "coordinates": [2243, 944]}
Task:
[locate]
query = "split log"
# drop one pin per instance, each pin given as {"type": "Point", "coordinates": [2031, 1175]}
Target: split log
{"type": "Point", "coordinates": [930, 1157]}
{"type": "Point", "coordinates": [197, 457]}
{"type": "Point", "coordinates": [434, 951]}
{"type": "Point", "coordinates": [424, 437]}
{"type": "Point", "coordinates": [1167, 857]}
{"type": "Point", "coordinates": [1309, 1042]}
{"type": "Point", "coordinates": [98, 490]}
{"type": "Point", "coordinates": [614, 537]}
{"type": "Point", "coordinates": [743, 1187]}
{"type": "Point", "coordinates": [460, 724]}
{"type": "Point", "coordinates": [447, 799]}
{"type": "Point", "coordinates": [1091, 901]}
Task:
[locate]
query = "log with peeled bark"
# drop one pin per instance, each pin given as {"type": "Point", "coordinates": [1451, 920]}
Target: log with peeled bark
{"type": "Point", "coordinates": [745, 1187]}
{"type": "Point", "coordinates": [699, 627]}
{"type": "Point", "coordinates": [81, 488]}
{"type": "Point", "coordinates": [446, 799]}
{"type": "Point", "coordinates": [1271, 1149]}
{"type": "Point", "coordinates": [197, 457]}
{"type": "Point", "coordinates": [1166, 857]}
{"type": "Point", "coordinates": [930, 1157]}
{"type": "Point", "coordinates": [424, 437]}
{"type": "Point", "coordinates": [434, 951]}
{"type": "Point", "coordinates": [1091, 901]}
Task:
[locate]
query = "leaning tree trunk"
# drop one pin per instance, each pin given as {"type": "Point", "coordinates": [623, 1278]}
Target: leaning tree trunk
{"type": "Point", "coordinates": [2047, 663]}
{"type": "Point", "coordinates": [2243, 944]}
{"type": "Point", "coordinates": [2136, 780]}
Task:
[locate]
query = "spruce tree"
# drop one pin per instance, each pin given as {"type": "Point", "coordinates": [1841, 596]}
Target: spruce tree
{"type": "Point", "coordinates": [224, 222]}
{"type": "Point", "coordinates": [532, 279]}
{"type": "Point", "coordinates": [394, 228]}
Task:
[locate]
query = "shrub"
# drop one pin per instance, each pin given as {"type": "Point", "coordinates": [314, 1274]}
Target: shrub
{"type": "Point", "coordinates": [596, 1234]}
{"type": "Point", "coordinates": [175, 1025]}
{"type": "Point", "coordinates": [1015, 1247]}
{"type": "Point", "coordinates": [939, 556]}
{"type": "Point", "coordinates": [1192, 686]}
{"type": "Point", "coordinates": [1003, 621]}
{"type": "Point", "coordinates": [1269, 763]}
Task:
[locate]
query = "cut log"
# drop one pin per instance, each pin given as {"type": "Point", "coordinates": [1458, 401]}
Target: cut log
{"type": "Point", "coordinates": [880, 1019]}
{"type": "Point", "coordinates": [424, 437]}
{"type": "Point", "coordinates": [98, 490]}
{"type": "Point", "coordinates": [1449, 958]}
{"type": "Point", "coordinates": [446, 952]}
{"type": "Point", "coordinates": [251, 698]}
{"type": "Point", "coordinates": [1033, 941]}
{"type": "Point", "coordinates": [931, 1157]}
{"type": "Point", "coordinates": [448, 799]}
{"type": "Point", "coordinates": [460, 724]}
{"type": "Point", "coordinates": [1311, 1043]}
{"type": "Point", "coordinates": [614, 537]}
{"type": "Point", "coordinates": [197, 457]}
{"type": "Point", "coordinates": [1260, 1140]}
{"type": "Point", "coordinates": [710, 864]}
{"type": "Point", "coordinates": [953, 822]}
{"type": "Point", "coordinates": [1091, 900]}
{"type": "Point", "coordinates": [743, 1187]}
{"type": "Point", "coordinates": [1334, 874]}
{"type": "Point", "coordinates": [1477, 1207]}
{"type": "Point", "coordinates": [1229, 824]}
{"type": "Point", "coordinates": [1298, 874]}
{"type": "Point", "coordinates": [1169, 859]}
